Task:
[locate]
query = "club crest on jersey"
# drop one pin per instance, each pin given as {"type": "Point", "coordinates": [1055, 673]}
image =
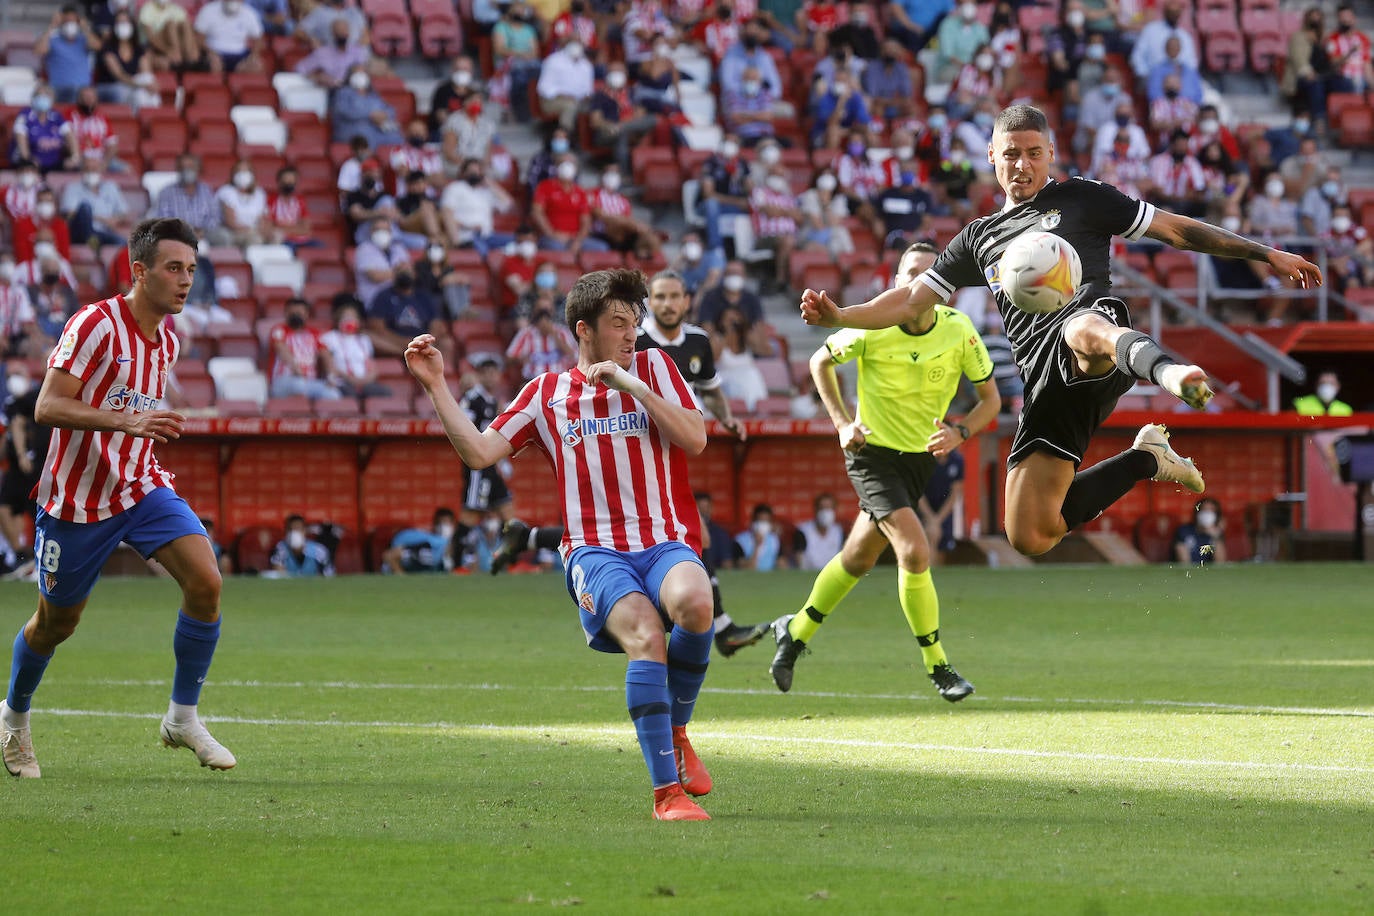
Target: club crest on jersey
{"type": "Point", "coordinates": [125, 398]}
{"type": "Point", "coordinates": [694, 365]}
{"type": "Point", "coordinates": [50, 582]}
{"type": "Point", "coordinates": [1050, 220]}
{"type": "Point", "coordinates": [993, 274]}
{"type": "Point", "coordinates": [587, 603]}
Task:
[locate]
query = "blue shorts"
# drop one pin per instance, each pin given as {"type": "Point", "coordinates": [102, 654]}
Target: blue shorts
{"type": "Point", "coordinates": [597, 578]}
{"type": "Point", "coordinates": [71, 554]}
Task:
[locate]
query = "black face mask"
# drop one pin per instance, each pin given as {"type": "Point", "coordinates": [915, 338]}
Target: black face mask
{"type": "Point", "coordinates": [751, 42]}
{"type": "Point", "coordinates": [1179, 155]}
{"type": "Point", "coordinates": [295, 321]}
{"type": "Point", "coordinates": [1345, 27]}
{"type": "Point", "coordinates": [51, 279]}
{"type": "Point", "coordinates": [473, 180]}
{"type": "Point", "coordinates": [85, 108]}
{"type": "Point", "coordinates": [287, 188]}
{"type": "Point", "coordinates": [579, 8]}
{"type": "Point", "coordinates": [405, 282]}
{"type": "Point", "coordinates": [341, 41]}
{"type": "Point", "coordinates": [1171, 93]}
{"type": "Point", "coordinates": [417, 141]}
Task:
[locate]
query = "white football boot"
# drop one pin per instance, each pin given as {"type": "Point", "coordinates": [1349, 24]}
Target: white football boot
{"type": "Point", "coordinates": [16, 746]}
{"type": "Point", "coordinates": [208, 751]}
{"type": "Point", "coordinates": [1173, 467]}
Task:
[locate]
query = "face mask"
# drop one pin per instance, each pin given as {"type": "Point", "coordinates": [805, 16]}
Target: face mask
{"type": "Point", "coordinates": [770, 155]}
{"type": "Point", "coordinates": [1209, 126]}
{"type": "Point", "coordinates": [779, 183]}
{"type": "Point", "coordinates": [574, 51]}
{"type": "Point", "coordinates": [983, 120]}
{"type": "Point", "coordinates": [445, 530]}
{"type": "Point", "coordinates": [404, 282]}
{"type": "Point", "coordinates": [1340, 224]}
{"type": "Point", "coordinates": [350, 325]}
{"type": "Point", "coordinates": [461, 78]}
{"type": "Point", "coordinates": [762, 529]}
{"type": "Point", "coordinates": [1301, 126]}
{"type": "Point", "coordinates": [287, 188]}
{"type": "Point", "coordinates": [1206, 518]}
{"type": "Point", "coordinates": [1274, 189]}
{"type": "Point", "coordinates": [661, 51]}
{"type": "Point", "coordinates": [527, 250]}
{"type": "Point", "coordinates": [92, 179]}
{"type": "Point", "coordinates": [567, 170]}
{"type": "Point", "coordinates": [1230, 223]}
{"type": "Point", "coordinates": [359, 82]}
{"type": "Point", "coordinates": [1110, 90]}
{"type": "Point", "coordinates": [492, 527]}
{"type": "Point", "coordinates": [908, 179]}
{"type": "Point", "coordinates": [295, 540]}
{"type": "Point", "coordinates": [46, 210]}
{"type": "Point", "coordinates": [729, 150]}
{"type": "Point", "coordinates": [382, 239]}
{"type": "Point", "coordinates": [51, 280]}
{"type": "Point", "coordinates": [751, 87]}
{"type": "Point", "coordinates": [1179, 154]}
{"type": "Point", "coordinates": [969, 11]}
{"type": "Point", "coordinates": [27, 180]}
{"type": "Point", "coordinates": [16, 385]}
{"type": "Point", "coordinates": [751, 42]}
{"type": "Point", "coordinates": [42, 103]}
{"type": "Point", "coordinates": [1075, 19]}
{"type": "Point", "coordinates": [1331, 188]}
{"type": "Point", "coordinates": [733, 282]}
{"type": "Point", "coordinates": [295, 321]}
{"type": "Point", "coordinates": [958, 156]}
{"type": "Point", "coordinates": [559, 145]}
{"type": "Point", "coordinates": [436, 254]}
{"type": "Point", "coordinates": [231, 7]}
{"type": "Point", "coordinates": [855, 148]}
{"type": "Point", "coordinates": [692, 251]}
{"type": "Point", "coordinates": [610, 181]}
{"type": "Point", "coordinates": [1171, 93]}
{"type": "Point", "coordinates": [6, 271]}
{"type": "Point", "coordinates": [474, 178]}
{"type": "Point", "coordinates": [616, 79]}
{"type": "Point", "coordinates": [826, 182]}
{"type": "Point", "coordinates": [124, 31]}
{"type": "Point", "coordinates": [70, 30]}
{"type": "Point", "coordinates": [1096, 52]}
{"type": "Point", "coordinates": [243, 180]}
{"type": "Point", "coordinates": [1327, 393]}
{"type": "Point", "coordinates": [938, 121]}
{"type": "Point", "coordinates": [189, 176]}
{"type": "Point", "coordinates": [983, 61]}
{"type": "Point", "coordinates": [905, 152]}
{"type": "Point", "coordinates": [546, 279]}
{"type": "Point", "coordinates": [825, 517]}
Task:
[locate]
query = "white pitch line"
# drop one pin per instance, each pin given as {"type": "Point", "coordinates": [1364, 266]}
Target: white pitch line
{"type": "Point", "coordinates": [746, 691]}
{"type": "Point", "coordinates": [601, 732]}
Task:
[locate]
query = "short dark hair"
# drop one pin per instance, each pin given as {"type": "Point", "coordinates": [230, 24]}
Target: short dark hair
{"type": "Point", "coordinates": [1021, 117]}
{"type": "Point", "coordinates": [143, 241]}
{"type": "Point", "coordinates": [668, 275]}
{"type": "Point", "coordinates": [595, 292]}
{"type": "Point", "coordinates": [920, 248]}
{"type": "Point", "coordinates": [293, 518]}
{"type": "Point", "coordinates": [443, 512]}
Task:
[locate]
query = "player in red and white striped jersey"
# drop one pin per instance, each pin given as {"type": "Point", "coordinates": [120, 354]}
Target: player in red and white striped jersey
{"type": "Point", "coordinates": [102, 485]}
{"type": "Point", "coordinates": [617, 428]}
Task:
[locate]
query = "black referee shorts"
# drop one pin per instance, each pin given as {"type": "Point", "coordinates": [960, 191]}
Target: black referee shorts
{"type": "Point", "coordinates": [1061, 411]}
{"type": "Point", "coordinates": [484, 490]}
{"type": "Point", "coordinates": [887, 480]}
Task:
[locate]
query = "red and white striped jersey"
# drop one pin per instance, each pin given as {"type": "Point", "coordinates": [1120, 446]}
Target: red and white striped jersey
{"type": "Point", "coordinates": [305, 347]}
{"type": "Point", "coordinates": [19, 201]}
{"type": "Point", "coordinates": [406, 159]}
{"type": "Point", "coordinates": [610, 203]}
{"type": "Point", "coordinates": [623, 482]}
{"type": "Point", "coordinates": [16, 310]}
{"type": "Point", "coordinates": [285, 209]}
{"type": "Point", "coordinates": [92, 132]}
{"type": "Point", "coordinates": [92, 475]}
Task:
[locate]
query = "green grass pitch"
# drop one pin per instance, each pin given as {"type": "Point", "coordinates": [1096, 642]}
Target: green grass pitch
{"type": "Point", "coordinates": [1157, 740]}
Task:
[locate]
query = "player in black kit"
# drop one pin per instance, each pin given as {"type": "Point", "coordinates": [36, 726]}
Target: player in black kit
{"type": "Point", "coordinates": [689, 347]}
{"type": "Point", "coordinates": [1077, 361]}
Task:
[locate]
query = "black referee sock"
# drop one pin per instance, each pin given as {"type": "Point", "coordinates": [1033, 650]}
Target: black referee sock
{"type": "Point", "coordinates": [1093, 490]}
{"type": "Point", "coordinates": [546, 537]}
{"type": "Point", "coordinates": [1138, 354]}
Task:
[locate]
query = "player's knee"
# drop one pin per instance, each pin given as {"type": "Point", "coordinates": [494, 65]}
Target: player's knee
{"type": "Point", "coordinates": [914, 560]}
{"type": "Point", "coordinates": [1089, 333]}
{"type": "Point", "coordinates": [1031, 543]}
{"type": "Point", "coordinates": [695, 611]}
{"type": "Point", "coordinates": [200, 595]}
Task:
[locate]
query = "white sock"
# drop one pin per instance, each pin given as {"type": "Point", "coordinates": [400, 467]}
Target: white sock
{"type": "Point", "coordinates": [723, 622]}
{"type": "Point", "coordinates": [182, 715]}
{"type": "Point", "coordinates": [15, 719]}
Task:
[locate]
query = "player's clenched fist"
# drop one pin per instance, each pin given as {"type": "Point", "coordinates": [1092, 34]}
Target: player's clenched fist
{"type": "Point", "coordinates": [819, 309]}
{"type": "Point", "coordinates": [424, 361]}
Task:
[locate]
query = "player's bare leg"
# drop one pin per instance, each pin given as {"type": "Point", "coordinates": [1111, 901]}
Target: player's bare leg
{"type": "Point", "coordinates": [1035, 492]}
{"type": "Point", "coordinates": [191, 562]}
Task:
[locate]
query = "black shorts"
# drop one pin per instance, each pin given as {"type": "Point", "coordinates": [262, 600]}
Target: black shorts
{"type": "Point", "coordinates": [887, 480]}
{"type": "Point", "coordinates": [1061, 411]}
{"type": "Point", "coordinates": [15, 490]}
{"type": "Point", "coordinates": [484, 490]}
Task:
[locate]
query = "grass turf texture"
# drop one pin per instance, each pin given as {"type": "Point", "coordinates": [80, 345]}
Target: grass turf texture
{"type": "Point", "coordinates": [1143, 740]}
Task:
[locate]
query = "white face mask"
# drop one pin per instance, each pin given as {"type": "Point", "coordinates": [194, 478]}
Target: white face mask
{"type": "Point", "coordinates": [189, 176]}
{"type": "Point", "coordinates": [243, 180]}
{"type": "Point", "coordinates": [770, 155]}
{"type": "Point", "coordinates": [567, 170]}
{"type": "Point", "coordinates": [611, 181]}
{"type": "Point", "coordinates": [905, 152]}
{"type": "Point", "coordinates": [92, 179]}
{"type": "Point", "coordinates": [231, 7]}
{"type": "Point", "coordinates": [359, 81]}
{"type": "Point", "coordinates": [969, 11]}
{"type": "Point", "coordinates": [729, 150]}
{"type": "Point", "coordinates": [733, 282]}
{"type": "Point", "coordinates": [574, 50]}
{"type": "Point", "coordinates": [6, 271]}
{"type": "Point", "coordinates": [692, 251]}
{"type": "Point", "coordinates": [70, 30]}
{"type": "Point", "coordinates": [46, 210]}
{"type": "Point", "coordinates": [445, 530]}
{"type": "Point", "coordinates": [1326, 393]}
{"type": "Point", "coordinates": [751, 87]}
{"type": "Point", "coordinates": [1097, 52]}
{"type": "Point", "coordinates": [762, 529]}
{"type": "Point", "coordinates": [826, 182]}
{"type": "Point", "coordinates": [124, 31]}
{"type": "Point", "coordinates": [295, 540]}
{"type": "Point", "coordinates": [17, 385]}
{"type": "Point", "coordinates": [1230, 223]}
{"type": "Point", "coordinates": [462, 78]}
{"type": "Point", "coordinates": [1301, 126]}
{"type": "Point", "coordinates": [779, 183]}
{"type": "Point", "coordinates": [527, 250]}
{"type": "Point", "coordinates": [1206, 518]}
{"type": "Point", "coordinates": [1340, 224]}
{"type": "Point", "coordinates": [616, 79]}
{"type": "Point", "coordinates": [436, 253]}
{"type": "Point", "coordinates": [492, 527]}
{"type": "Point", "coordinates": [825, 517]}
{"type": "Point", "coordinates": [43, 251]}
{"type": "Point", "coordinates": [27, 180]}
{"type": "Point", "coordinates": [983, 61]}
{"type": "Point", "coordinates": [1075, 18]}
{"type": "Point", "coordinates": [382, 239]}
{"type": "Point", "coordinates": [1209, 126]}
{"type": "Point", "coordinates": [1273, 189]}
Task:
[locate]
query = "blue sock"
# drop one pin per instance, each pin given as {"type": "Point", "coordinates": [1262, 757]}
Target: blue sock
{"type": "Point", "coordinates": [194, 647]}
{"type": "Point", "coordinates": [688, 655]}
{"type": "Point", "coordinates": [646, 694]}
{"type": "Point", "coordinates": [25, 672]}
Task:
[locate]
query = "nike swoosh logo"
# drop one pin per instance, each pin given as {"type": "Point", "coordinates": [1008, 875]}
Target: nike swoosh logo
{"type": "Point", "coordinates": [685, 702]}
{"type": "Point", "coordinates": [665, 753]}
{"type": "Point", "coordinates": [124, 359]}
{"type": "Point", "coordinates": [553, 401]}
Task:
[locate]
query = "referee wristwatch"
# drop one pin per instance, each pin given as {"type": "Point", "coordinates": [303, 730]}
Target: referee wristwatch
{"type": "Point", "coordinates": [963, 431]}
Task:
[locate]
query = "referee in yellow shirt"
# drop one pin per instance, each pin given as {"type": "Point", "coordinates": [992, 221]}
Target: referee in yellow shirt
{"type": "Point", "coordinates": [907, 377]}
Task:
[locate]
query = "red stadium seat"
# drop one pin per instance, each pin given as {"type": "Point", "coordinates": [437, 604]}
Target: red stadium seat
{"type": "Point", "coordinates": [1215, 20]}
{"type": "Point", "coordinates": [253, 550]}
{"type": "Point", "coordinates": [294, 406]}
{"type": "Point", "coordinates": [393, 36]}
{"type": "Point", "coordinates": [600, 260]}
{"type": "Point", "coordinates": [1267, 50]}
{"type": "Point", "coordinates": [1357, 129]}
{"type": "Point", "coordinates": [1225, 52]}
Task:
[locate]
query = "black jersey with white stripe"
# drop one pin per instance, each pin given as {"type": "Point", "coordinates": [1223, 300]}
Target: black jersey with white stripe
{"type": "Point", "coordinates": [689, 349]}
{"type": "Point", "coordinates": [480, 406]}
{"type": "Point", "coordinates": [1085, 213]}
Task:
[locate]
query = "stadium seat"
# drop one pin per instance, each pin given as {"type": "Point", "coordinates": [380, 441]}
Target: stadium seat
{"type": "Point", "coordinates": [1338, 103]}
{"type": "Point", "coordinates": [269, 134]}
{"type": "Point", "coordinates": [1266, 50]}
{"type": "Point", "coordinates": [393, 406]}
{"type": "Point", "coordinates": [1225, 52]}
{"type": "Point", "coordinates": [600, 260]}
{"type": "Point", "coordinates": [294, 406]}
{"type": "Point", "coordinates": [1154, 536]}
{"type": "Point", "coordinates": [777, 375]}
{"type": "Point", "coordinates": [820, 263]}
{"type": "Point", "coordinates": [154, 182]}
{"type": "Point", "coordinates": [392, 35]}
{"type": "Point", "coordinates": [1357, 129]}
{"type": "Point", "coordinates": [253, 549]}
{"type": "Point", "coordinates": [199, 392]}
{"type": "Point", "coordinates": [348, 556]}
{"type": "Point", "coordinates": [1214, 20]}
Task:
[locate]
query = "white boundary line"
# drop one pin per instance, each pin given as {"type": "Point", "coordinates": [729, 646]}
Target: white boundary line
{"type": "Point", "coordinates": [1357, 713]}
{"type": "Point", "coordinates": [546, 731]}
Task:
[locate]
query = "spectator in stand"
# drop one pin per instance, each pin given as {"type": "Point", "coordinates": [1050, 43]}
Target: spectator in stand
{"type": "Point", "coordinates": [516, 271]}
{"type": "Point", "coordinates": [438, 279]}
{"type": "Point", "coordinates": [1318, 203]}
{"type": "Point", "coordinates": [841, 57]}
{"type": "Point", "coordinates": [453, 93]}
{"type": "Point", "coordinates": [351, 169]}
{"type": "Point", "coordinates": [815, 22]}
{"type": "Point", "coordinates": [961, 38]}
{"type": "Point", "coordinates": [1172, 112]}
{"type": "Point", "coordinates": [943, 496]}
{"type": "Point", "coordinates": [566, 80]}
{"type": "Point", "coordinates": [837, 111]}
{"type": "Point", "coordinates": [45, 223]}
{"type": "Point", "coordinates": [914, 22]}
{"type": "Point", "coordinates": [65, 49]}
{"type": "Point", "coordinates": [288, 220]}
{"type": "Point", "coordinates": [42, 135]}
{"type": "Point", "coordinates": [576, 22]}
{"type": "Point", "coordinates": [515, 52]}
{"type": "Point", "coordinates": [820, 537]}
{"type": "Point", "coordinates": [978, 81]}
{"type": "Point", "coordinates": [613, 220]}
{"type": "Point", "coordinates": [298, 556]}
{"type": "Point", "coordinates": [824, 210]}
{"type": "Point", "coordinates": [468, 133]}
{"type": "Point", "coordinates": [759, 547]}
{"type": "Point", "coordinates": [643, 26]}
{"type": "Point", "coordinates": [616, 120]}
{"type": "Point", "coordinates": [654, 86]}
{"type": "Point", "coordinates": [330, 63]}
{"type": "Point", "coordinates": [17, 200]}
{"type": "Point", "coordinates": [731, 293]}
{"type": "Point", "coordinates": [1149, 50]}
{"type": "Point", "coordinates": [717, 34]}
{"type": "Point", "coordinates": [351, 354]}
{"type": "Point", "coordinates": [952, 181]}
{"type": "Point", "coordinates": [699, 268]}
{"type": "Point", "coordinates": [95, 208]}
{"type": "Point", "coordinates": [751, 51]}
{"type": "Point", "coordinates": [356, 110]}
{"type": "Point", "coordinates": [1097, 109]}
{"type": "Point", "coordinates": [1122, 169]}
{"type": "Point", "coordinates": [856, 32]}
{"type": "Point", "coordinates": [543, 295]}
{"type": "Point", "coordinates": [166, 27]}
{"type": "Point", "coordinates": [902, 210]}
{"type": "Point", "coordinates": [376, 260]}
{"type": "Point", "coordinates": [317, 26]}
{"type": "Point", "coordinates": [419, 216]}
{"type": "Point", "coordinates": [1202, 542]}
{"type": "Point", "coordinates": [543, 165]}
{"type": "Point", "coordinates": [19, 336]}
{"type": "Point", "coordinates": [562, 213]}
{"type": "Point", "coordinates": [1177, 179]}
{"type": "Point", "coordinates": [1284, 141]}
{"type": "Point", "coordinates": [1348, 50]}
{"type": "Point", "coordinates": [1066, 46]}
{"type": "Point", "coordinates": [469, 206]}
{"type": "Point", "coordinates": [301, 363]}
{"type": "Point", "coordinates": [747, 111]}
{"type": "Point", "coordinates": [1209, 129]}
{"type": "Point", "coordinates": [1305, 169]}
{"type": "Point", "coordinates": [776, 220]}
{"type": "Point", "coordinates": [976, 132]}
{"type": "Point", "coordinates": [369, 201]}
{"type": "Point", "coordinates": [1305, 72]}
{"type": "Point", "coordinates": [1124, 121]}
{"type": "Point", "coordinates": [1349, 250]}
{"type": "Point", "coordinates": [1225, 180]}
{"type": "Point", "coordinates": [194, 201]}
{"type": "Point", "coordinates": [275, 16]}
{"type": "Point", "coordinates": [888, 85]}
{"type": "Point", "coordinates": [717, 547]}
{"type": "Point", "coordinates": [1272, 216]}
{"type": "Point", "coordinates": [422, 550]}
{"type": "Point", "coordinates": [1188, 82]}
{"type": "Point", "coordinates": [735, 348]}
{"type": "Point", "coordinates": [542, 346]}
{"type": "Point", "coordinates": [724, 187]}
{"type": "Point", "coordinates": [232, 34]}
{"type": "Point", "coordinates": [52, 293]}
{"type": "Point", "coordinates": [399, 312]}
{"type": "Point", "coordinates": [92, 134]}
{"type": "Point", "coordinates": [1009, 44]}
{"type": "Point", "coordinates": [1323, 401]}
{"type": "Point", "coordinates": [243, 207]}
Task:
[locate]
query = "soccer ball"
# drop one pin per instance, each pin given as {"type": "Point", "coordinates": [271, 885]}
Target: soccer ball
{"type": "Point", "coordinates": [1040, 272]}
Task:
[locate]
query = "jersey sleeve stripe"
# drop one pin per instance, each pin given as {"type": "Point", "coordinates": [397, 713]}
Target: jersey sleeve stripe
{"type": "Point", "coordinates": [1145, 215]}
{"type": "Point", "coordinates": [942, 287]}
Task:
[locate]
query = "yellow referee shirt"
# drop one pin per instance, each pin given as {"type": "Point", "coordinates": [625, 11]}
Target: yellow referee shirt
{"type": "Point", "coordinates": [906, 380]}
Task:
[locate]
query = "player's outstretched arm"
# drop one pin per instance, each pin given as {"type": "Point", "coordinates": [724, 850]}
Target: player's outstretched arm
{"type": "Point", "coordinates": [1189, 234]}
{"type": "Point", "coordinates": [477, 449]}
{"type": "Point", "coordinates": [887, 309]}
{"type": "Point", "coordinates": [684, 426]}
{"type": "Point", "coordinates": [59, 406]}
